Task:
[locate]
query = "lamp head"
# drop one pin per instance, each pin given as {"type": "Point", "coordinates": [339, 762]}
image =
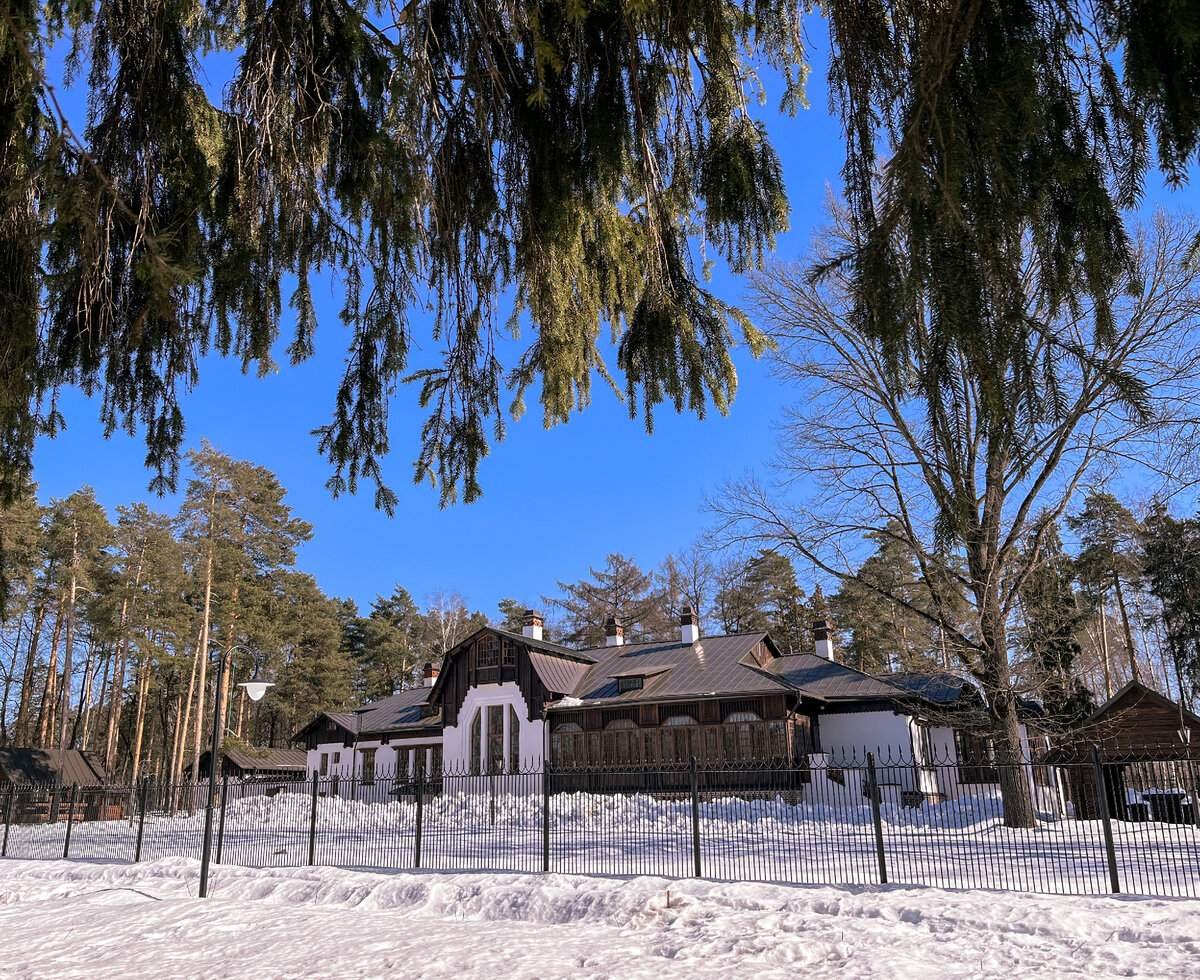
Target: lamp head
{"type": "Point", "coordinates": [256, 689]}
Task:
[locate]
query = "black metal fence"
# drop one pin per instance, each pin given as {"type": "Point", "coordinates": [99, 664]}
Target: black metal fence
{"type": "Point", "coordinates": [1102, 825]}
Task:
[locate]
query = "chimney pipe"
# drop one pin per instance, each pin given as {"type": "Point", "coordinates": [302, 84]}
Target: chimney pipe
{"type": "Point", "coordinates": [689, 628]}
{"type": "Point", "coordinates": [614, 632]}
{"type": "Point", "coordinates": [429, 674]}
{"type": "Point", "coordinates": [531, 624]}
{"type": "Point", "coordinates": [822, 639]}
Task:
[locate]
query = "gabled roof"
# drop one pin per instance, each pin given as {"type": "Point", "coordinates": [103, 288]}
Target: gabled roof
{"type": "Point", "coordinates": [711, 665]}
{"type": "Point", "coordinates": [559, 675]}
{"type": "Point", "coordinates": [25, 765]}
{"type": "Point", "coordinates": [345, 720]}
{"type": "Point", "coordinates": [831, 680]}
{"type": "Point", "coordinates": [267, 759]}
{"type": "Point", "coordinates": [1132, 694]}
{"type": "Point", "coordinates": [404, 709]}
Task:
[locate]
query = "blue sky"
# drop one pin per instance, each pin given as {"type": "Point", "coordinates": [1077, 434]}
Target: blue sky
{"type": "Point", "coordinates": [555, 501]}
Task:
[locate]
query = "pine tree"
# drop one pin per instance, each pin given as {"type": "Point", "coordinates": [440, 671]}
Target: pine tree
{"type": "Point", "coordinates": [1053, 618]}
{"type": "Point", "coordinates": [77, 534]}
{"type": "Point", "coordinates": [1108, 557]}
{"type": "Point", "coordinates": [394, 639]}
{"type": "Point", "coordinates": [619, 589]}
{"type": "Point", "coordinates": [1172, 569]}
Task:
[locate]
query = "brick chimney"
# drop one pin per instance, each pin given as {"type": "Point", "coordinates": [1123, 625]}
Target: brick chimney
{"type": "Point", "coordinates": [531, 624]}
{"type": "Point", "coordinates": [429, 673]}
{"type": "Point", "coordinates": [614, 632]}
{"type": "Point", "coordinates": [689, 626]}
{"type": "Point", "coordinates": [823, 639]}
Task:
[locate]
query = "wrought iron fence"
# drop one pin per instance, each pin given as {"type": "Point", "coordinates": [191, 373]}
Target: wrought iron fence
{"type": "Point", "coordinates": [1101, 825]}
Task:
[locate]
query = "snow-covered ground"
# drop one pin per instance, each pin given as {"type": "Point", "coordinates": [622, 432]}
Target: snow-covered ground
{"type": "Point", "coordinates": [961, 844]}
{"type": "Point", "coordinates": [65, 919]}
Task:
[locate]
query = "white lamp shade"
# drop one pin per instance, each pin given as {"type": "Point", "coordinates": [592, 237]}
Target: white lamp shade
{"type": "Point", "coordinates": [256, 689]}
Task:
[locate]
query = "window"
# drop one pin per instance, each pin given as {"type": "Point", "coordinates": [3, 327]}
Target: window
{"type": "Point", "coordinates": [368, 767]}
{"type": "Point", "coordinates": [476, 738]}
{"type": "Point", "coordinates": [630, 684]}
{"type": "Point", "coordinates": [436, 762]}
{"type": "Point", "coordinates": [495, 724]}
{"type": "Point", "coordinates": [976, 759]}
{"type": "Point", "coordinates": [514, 740]}
{"type": "Point", "coordinates": [337, 757]}
{"type": "Point", "coordinates": [489, 653]}
{"type": "Point", "coordinates": [508, 654]}
{"type": "Point", "coordinates": [324, 763]}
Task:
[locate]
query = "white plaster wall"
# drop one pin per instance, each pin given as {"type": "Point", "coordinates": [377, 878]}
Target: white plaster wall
{"type": "Point", "coordinates": [456, 739]}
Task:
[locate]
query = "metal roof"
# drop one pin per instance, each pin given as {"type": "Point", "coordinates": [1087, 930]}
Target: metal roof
{"type": "Point", "coordinates": [405, 709]}
{"type": "Point", "coordinates": [711, 665]}
{"type": "Point", "coordinates": [253, 759]}
{"type": "Point", "coordinates": [831, 680]}
{"type": "Point", "coordinates": [21, 765]}
{"type": "Point", "coordinates": [559, 675]}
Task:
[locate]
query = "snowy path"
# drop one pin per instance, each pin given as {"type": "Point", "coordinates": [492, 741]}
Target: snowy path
{"type": "Point", "coordinates": [64, 920]}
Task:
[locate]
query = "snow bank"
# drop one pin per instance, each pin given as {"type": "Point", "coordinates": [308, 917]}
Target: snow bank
{"type": "Point", "coordinates": [324, 922]}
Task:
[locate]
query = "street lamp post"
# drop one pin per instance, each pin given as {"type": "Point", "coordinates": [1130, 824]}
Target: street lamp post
{"type": "Point", "coordinates": [255, 689]}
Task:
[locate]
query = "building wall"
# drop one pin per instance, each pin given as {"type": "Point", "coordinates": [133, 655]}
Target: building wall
{"type": "Point", "coordinates": [393, 759]}
{"type": "Point", "coordinates": [457, 738]}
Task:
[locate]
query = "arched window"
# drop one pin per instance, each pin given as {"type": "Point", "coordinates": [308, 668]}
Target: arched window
{"type": "Point", "coordinates": [621, 743]}
{"type": "Point", "coordinates": [514, 740]}
{"type": "Point", "coordinates": [679, 738]}
{"type": "Point", "coordinates": [567, 744]}
{"type": "Point", "coordinates": [476, 737]}
{"type": "Point", "coordinates": [743, 736]}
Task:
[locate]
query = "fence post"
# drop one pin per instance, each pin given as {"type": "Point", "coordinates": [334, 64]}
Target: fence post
{"type": "Point", "coordinates": [8, 811]}
{"type": "Point", "coordinates": [1106, 819]}
{"type": "Point", "coordinates": [420, 794]}
{"type": "Point", "coordinates": [142, 794]}
{"type": "Point", "coordinates": [546, 815]}
{"type": "Point", "coordinates": [312, 824]}
{"type": "Point", "coordinates": [221, 821]}
{"type": "Point", "coordinates": [695, 782]}
{"type": "Point", "coordinates": [876, 818]}
{"type": "Point", "coordinates": [70, 822]}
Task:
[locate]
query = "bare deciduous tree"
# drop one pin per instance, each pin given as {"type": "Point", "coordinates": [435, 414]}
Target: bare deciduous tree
{"type": "Point", "coordinates": [967, 482]}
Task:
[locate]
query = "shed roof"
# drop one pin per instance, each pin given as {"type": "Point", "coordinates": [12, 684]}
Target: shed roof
{"type": "Point", "coordinates": [262, 759]}
{"type": "Point", "coordinates": [28, 765]}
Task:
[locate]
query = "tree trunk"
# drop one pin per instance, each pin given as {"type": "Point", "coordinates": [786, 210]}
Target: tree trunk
{"type": "Point", "coordinates": [49, 690]}
{"type": "Point", "coordinates": [202, 649]}
{"type": "Point", "coordinates": [1104, 654]}
{"type": "Point", "coordinates": [21, 727]}
{"type": "Point", "coordinates": [1011, 766]}
{"type": "Point", "coordinates": [72, 594]}
{"type": "Point", "coordinates": [1133, 664]}
{"type": "Point", "coordinates": [143, 687]}
{"type": "Point", "coordinates": [10, 676]}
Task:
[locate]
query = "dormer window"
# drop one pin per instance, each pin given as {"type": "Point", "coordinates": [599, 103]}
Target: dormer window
{"type": "Point", "coordinates": [630, 684]}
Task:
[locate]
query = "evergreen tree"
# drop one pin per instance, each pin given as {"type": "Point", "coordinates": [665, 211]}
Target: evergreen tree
{"type": "Point", "coordinates": [394, 640]}
{"type": "Point", "coordinates": [1053, 618]}
{"type": "Point", "coordinates": [77, 534]}
{"type": "Point", "coordinates": [762, 595]}
{"type": "Point", "coordinates": [875, 609]}
{"type": "Point", "coordinates": [619, 589]}
{"type": "Point", "coordinates": [1108, 559]}
{"type": "Point", "coordinates": [1172, 569]}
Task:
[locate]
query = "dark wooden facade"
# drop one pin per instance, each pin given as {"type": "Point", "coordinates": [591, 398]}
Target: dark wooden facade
{"type": "Point", "coordinates": [489, 658]}
{"type": "Point", "coordinates": [716, 731]}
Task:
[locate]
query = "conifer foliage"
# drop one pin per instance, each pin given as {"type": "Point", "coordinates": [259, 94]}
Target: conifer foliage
{"type": "Point", "coordinates": [558, 153]}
